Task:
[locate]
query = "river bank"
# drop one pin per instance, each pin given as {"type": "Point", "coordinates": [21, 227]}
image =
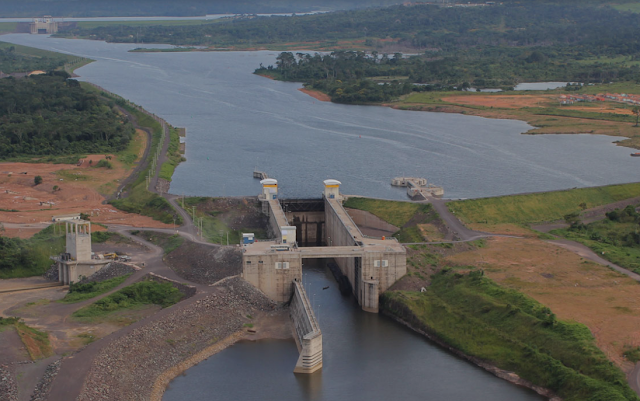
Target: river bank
{"type": "Point", "coordinates": [511, 377]}
{"type": "Point", "coordinates": [543, 112]}
{"type": "Point", "coordinates": [137, 365]}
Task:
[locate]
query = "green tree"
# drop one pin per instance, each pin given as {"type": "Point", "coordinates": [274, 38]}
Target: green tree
{"type": "Point", "coordinates": [37, 180]}
{"type": "Point", "coordinates": [636, 111]}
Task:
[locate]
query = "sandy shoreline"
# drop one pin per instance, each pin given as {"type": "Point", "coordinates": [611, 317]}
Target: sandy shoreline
{"type": "Point", "coordinates": [323, 97]}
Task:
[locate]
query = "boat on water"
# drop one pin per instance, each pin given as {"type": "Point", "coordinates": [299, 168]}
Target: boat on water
{"type": "Point", "coordinates": [637, 154]}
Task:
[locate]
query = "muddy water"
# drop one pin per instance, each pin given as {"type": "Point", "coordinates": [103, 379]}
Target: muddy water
{"type": "Point", "coordinates": [366, 357]}
{"type": "Point", "coordinates": [237, 121]}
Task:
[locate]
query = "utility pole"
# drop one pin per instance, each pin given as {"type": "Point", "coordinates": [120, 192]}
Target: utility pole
{"type": "Point", "coordinates": [193, 213]}
{"type": "Point", "coordinates": [228, 236]}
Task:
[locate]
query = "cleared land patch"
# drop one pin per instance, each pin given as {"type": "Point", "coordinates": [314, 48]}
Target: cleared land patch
{"type": "Point", "coordinates": [573, 288]}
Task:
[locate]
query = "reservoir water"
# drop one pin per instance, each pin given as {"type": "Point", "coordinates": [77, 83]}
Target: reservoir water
{"type": "Point", "coordinates": [237, 121]}
{"type": "Point", "coordinates": [366, 357]}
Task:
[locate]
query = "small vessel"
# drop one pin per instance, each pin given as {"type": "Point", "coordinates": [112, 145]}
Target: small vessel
{"type": "Point", "coordinates": [637, 154]}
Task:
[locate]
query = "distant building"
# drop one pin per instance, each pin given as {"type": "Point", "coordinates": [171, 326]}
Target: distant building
{"type": "Point", "coordinates": [45, 25]}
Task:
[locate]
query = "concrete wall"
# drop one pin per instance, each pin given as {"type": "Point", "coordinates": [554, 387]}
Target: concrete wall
{"type": "Point", "coordinates": [365, 219]}
{"type": "Point", "coordinates": [338, 235]}
{"type": "Point", "coordinates": [72, 271]}
{"type": "Point", "coordinates": [307, 332]}
{"type": "Point", "coordinates": [310, 227]}
{"type": "Point", "coordinates": [261, 272]}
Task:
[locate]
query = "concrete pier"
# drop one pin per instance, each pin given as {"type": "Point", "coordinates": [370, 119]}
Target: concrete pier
{"type": "Point", "coordinates": [417, 187]}
{"type": "Point", "coordinates": [307, 332]}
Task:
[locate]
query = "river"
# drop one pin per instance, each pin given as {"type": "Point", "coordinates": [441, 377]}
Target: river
{"type": "Point", "coordinates": [237, 121]}
{"type": "Point", "coordinates": [366, 357]}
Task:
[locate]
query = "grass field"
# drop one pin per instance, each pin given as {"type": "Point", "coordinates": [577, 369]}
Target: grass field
{"type": "Point", "coordinates": [546, 114]}
{"type": "Point", "coordinates": [80, 292]}
{"type": "Point", "coordinates": [476, 316]}
{"type": "Point", "coordinates": [632, 7]}
{"type": "Point", "coordinates": [133, 296]}
{"type": "Point", "coordinates": [7, 27]}
{"type": "Point", "coordinates": [35, 341]}
{"type": "Point", "coordinates": [173, 153]}
{"type": "Point", "coordinates": [396, 213]}
{"type": "Point", "coordinates": [539, 207]}
{"type": "Point", "coordinates": [33, 52]}
{"type": "Point", "coordinates": [96, 24]}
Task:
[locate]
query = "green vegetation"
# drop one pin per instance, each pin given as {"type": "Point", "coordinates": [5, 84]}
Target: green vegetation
{"type": "Point", "coordinates": [173, 153]}
{"type": "Point", "coordinates": [36, 342]}
{"type": "Point", "coordinates": [153, 8]}
{"type": "Point", "coordinates": [615, 238]}
{"type": "Point", "coordinates": [464, 47]}
{"type": "Point", "coordinates": [18, 58]}
{"type": "Point", "coordinates": [539, 207]}
{"type": "Point", "coordinates": [135, 295]}
{"type": "Point", "coordinates": [506, 328]}
{"type": "Point", "coordinates": [53, 115]}
{"type": "Point", "coordinates": [138, 199]}
{"type": "Point", "coordinates": [221, 217]}
{"type": "Point", "coordinates": [396, 213]}
{"type": "Point", "coordinates": [406, 215]}
{"type": "Point", "coordinates": [30, 257]}
{"type": "Point", "coordinates": [81, 291]}
{"type": "Point", "coordinates": [104, 163]}
{"type": "Point", "coordinates": [167, 242]}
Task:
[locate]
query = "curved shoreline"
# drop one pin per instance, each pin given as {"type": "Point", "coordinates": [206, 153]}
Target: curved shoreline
{"type": "Point", "coordinates": [321, 96]}
{"type": "Point", "coordinates": [511, 377]}
{"type": "Point", "coordinates": [162, 381]}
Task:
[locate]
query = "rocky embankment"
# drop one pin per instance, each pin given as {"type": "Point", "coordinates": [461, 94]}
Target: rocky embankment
{"type": "Point", "coordinates": [112, 270]}
{"type": "Point", "coordinates": [204, 264]}
{"type": "Point", "coordinates": [42, 388]}
{"type": "Point", "coordinates": [8, 388]}
{"type": "Point", "coordinates": [127, 368]}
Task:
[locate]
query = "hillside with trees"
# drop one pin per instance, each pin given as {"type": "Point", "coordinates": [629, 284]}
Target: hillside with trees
{"type": "Point", "coordinates": [53, 115]}
{"type": "Point", "coordinates": [153, 8]}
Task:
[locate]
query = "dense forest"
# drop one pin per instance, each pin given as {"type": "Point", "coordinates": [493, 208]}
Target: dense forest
{"type": "Point", "coordinates": [587, 29]}
{"type": "Point", "coordinates": [14, 61]}
{"type": "Point", "coordinates": [53, 115]}
{"type": "Point", "coordinates": [94, 8]}
{"type": "Point", "coordinates": [346, 75]}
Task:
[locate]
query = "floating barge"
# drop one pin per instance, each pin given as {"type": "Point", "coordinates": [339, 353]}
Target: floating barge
{"type": "Point", "coordinates": [418, 188]}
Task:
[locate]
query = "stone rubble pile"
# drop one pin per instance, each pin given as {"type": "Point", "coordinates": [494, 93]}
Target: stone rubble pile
{"type": "Point", "coordinates": [8, 387]}
{"type": "Point", "coordinates": [112, 270]}
{"type": "Point", "coordinates": [52, 273]}
{"type": "Point", "coordinates": [44, 385]}
{"type": "Point", "coordinates": [127, 368]}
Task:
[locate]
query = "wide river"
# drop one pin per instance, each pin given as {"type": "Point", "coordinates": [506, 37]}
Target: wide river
{"type": "Point", "coordinates": [237, 121]}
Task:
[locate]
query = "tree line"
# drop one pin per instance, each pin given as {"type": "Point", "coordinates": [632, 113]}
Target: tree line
{"type": "Point", "coordinates": [53, 115]}
{"type": "Point", "coordinates": [359, 77]}
{"type": "Point", "coordinates": [590, 28]}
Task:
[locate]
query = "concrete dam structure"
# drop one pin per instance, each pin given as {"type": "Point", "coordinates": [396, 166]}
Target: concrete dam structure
{"type": "Point", "coordinates": [307, 332]}
{"type": "Point", "coordinates": [370, 264]}
{"type": "Point", "coordinates": [77, 261]}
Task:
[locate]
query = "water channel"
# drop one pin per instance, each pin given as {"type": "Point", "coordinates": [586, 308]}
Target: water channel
{"type": "Point", "coordinates": [236, 121]}
{"type": "Point", "coordinates": [366, 357]}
